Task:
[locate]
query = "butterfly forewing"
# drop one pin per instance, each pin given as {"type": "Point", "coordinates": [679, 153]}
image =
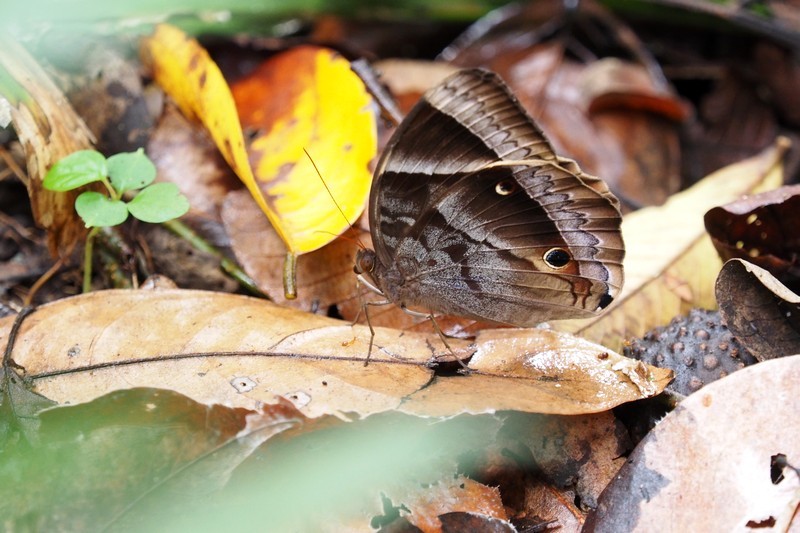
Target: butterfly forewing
{"type": "Point", "coordinates": [465, 123]}
{"type": "Point", "coordinates": [472, 213]}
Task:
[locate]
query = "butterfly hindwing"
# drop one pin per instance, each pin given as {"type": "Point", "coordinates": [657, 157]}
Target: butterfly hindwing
{"type": "Point", "coordinates": [473, 214]}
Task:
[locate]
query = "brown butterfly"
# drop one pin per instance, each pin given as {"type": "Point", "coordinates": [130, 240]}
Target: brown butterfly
{"type": "Point", "coordinates": [473, 214]}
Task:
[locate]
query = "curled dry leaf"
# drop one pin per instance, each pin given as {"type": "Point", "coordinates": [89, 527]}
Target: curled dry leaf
{"type": "Point", "coordinates": [670, 263]}
{"type": "Point", "coordinates": [762, 313]}
{"type": "Point", "coordinates": [49, 129]}
{"type": "Point", "coordinates": [239, 351]}
{"type": "Point", "coordinates": [640, 115]}
{"type": "Point", "coordinates": [761, 229]}
{"type": "Point", "coordinates": [706, 467]}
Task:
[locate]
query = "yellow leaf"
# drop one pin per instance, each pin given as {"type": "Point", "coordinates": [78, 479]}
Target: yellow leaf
{"type": "Point", "coordinates": [186, 73]}
{"type": "Point", "coordinates": [307, 99]}
{"type": "Point", "coordinates": [330, 117]}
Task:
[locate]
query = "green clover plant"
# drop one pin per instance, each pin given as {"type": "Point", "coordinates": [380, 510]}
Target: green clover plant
{"type": "Point", "coordinates": [120, 174]}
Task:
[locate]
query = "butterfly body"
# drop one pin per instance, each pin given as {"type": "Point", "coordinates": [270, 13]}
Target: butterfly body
{"type": "Point", "coordinates": [473, 214]}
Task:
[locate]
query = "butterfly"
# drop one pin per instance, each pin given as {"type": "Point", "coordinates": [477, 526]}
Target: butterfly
{"type": "Point", "coordinates": [473, 214]}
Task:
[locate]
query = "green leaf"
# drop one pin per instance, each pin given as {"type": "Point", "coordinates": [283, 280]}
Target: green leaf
{"type": "Point", "coordinates": [76, 170]}
{"type": "Point", "coordinates": [98, 210]}
{"type": "Point", "coordinates": [130, 170]}
{"type": "Point", "coordinates": [158, 203]}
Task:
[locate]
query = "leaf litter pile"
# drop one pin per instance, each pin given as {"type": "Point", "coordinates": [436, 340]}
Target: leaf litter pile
{"type": "Point", "coordinates": [212, 370]}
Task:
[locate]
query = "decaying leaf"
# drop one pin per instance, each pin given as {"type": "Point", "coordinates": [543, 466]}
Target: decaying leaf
{"type": "Point", "coordinates": [734, 121]}
{"type": "Point", "coordinates": [49, 129]}
{"type": "Point", "coordinates": [706, 466]}
{"type": "Point", "coordinates": [565, 461]}
{"type": "Point", "coordinates": [761, 229]}
{"type": "Point", "coordinates": [185, 155]}
{"type": "Point", "coordinates": [111, 100]}
{"type": "Point", "coordinates": [239, 351]}
{"type": "Point", "coordinates": [670, 262]}
{"type": "Point", "coordinates": [762, 313]}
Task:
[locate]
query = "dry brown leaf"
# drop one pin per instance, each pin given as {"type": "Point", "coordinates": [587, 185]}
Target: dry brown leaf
{"type": "Point", "coordinates": [761, 229]}
{"type": "Point", "coordinates": [49, 129]}
{"type": "Point", "coordinates": [547, 465]}
{"type": "Point", "coordinates": [759, 310]}
{"type": "Point", "coordinates": [583, 452]}
{"type": "Point", "coordinates": [426, 504]}
{"type": "Point", "coordinates": [111, 99]}
{"type": "Point", "coordinates": [670, 263]}
{"type": "Point", "coordinates": [706, 466]}
{"type": "Point", "coordinates": [734, 121]}
{"type": "Point", "coordinates": [324, 277]}
{"type": "Point", "coordinates": [184, 154]}
{"type": "Point", "coordinates": [242, 352]}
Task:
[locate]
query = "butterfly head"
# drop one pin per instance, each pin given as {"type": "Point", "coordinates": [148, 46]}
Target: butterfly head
{"type": "Point", "coordinates": [365, 261]}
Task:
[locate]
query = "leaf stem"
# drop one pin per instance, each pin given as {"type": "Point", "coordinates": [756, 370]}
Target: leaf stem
{"type": "Point", "coordinates": [228, 266]}
{"type": "Point", "coordinates": [110, 188]}
{"type": "Point", "coordinates": [87, 259]}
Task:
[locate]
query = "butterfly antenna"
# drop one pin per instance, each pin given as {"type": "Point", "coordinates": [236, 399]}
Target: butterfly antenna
{"type": "Point", "coordinates": [325, 184]}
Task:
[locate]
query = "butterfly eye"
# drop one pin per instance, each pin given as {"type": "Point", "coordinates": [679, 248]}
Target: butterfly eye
{"type": "Point", "coordinates": [365, 261]}
{"type": "Point", "coordinates": [557, 258]}
{"type": "Point", "coordinates": [505, 187]}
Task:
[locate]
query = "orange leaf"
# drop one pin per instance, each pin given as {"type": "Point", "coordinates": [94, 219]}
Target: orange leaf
{"type": "Point", "coordinates": [308, 98]}
{"type": "Point", "coordinates": [321, 105]}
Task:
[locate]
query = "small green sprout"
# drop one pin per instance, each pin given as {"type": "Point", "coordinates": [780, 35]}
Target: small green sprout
{"type": "Point", "coordinates": [120, 174]}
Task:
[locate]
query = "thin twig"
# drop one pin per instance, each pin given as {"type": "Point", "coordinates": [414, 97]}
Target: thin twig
{"type": "Point", "coordinates": [44, 278]}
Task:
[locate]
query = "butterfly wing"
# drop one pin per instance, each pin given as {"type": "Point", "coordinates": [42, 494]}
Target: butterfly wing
{"type": "Point", "coordinates": [468, 121]}
{"type": "Point", "coordinates": [516, 245]}
{"type": "Point", "coordinates": [458, 228]}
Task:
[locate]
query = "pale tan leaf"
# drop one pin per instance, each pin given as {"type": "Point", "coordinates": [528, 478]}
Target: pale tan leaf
{"type": "Point", "coordinates": [240, 351]}
{"type": "Point", "coordinates": [670, 263]}
{"type": "Point", "coordinates": [706, 466]}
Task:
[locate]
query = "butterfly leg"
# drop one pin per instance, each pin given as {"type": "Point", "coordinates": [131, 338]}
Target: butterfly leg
{"type": "Point", "coordinates": [371, 329]}
{"type": "Point", "coordinates": [363, 281]}
{"type": "Point", "coordinates": [442, 336]}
